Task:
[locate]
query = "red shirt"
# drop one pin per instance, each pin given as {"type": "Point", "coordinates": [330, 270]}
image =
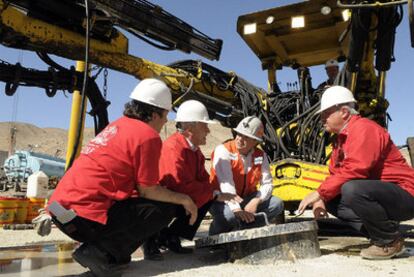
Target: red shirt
{"type": "Point", "coordinates": [364, 150]}
{"type": "Point", "coordinates": [125, 154]}
{"type": "Point", "coordinates": [183, 170]}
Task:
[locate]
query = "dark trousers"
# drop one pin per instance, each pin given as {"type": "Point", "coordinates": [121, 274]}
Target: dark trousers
{"type": "Point", "coordinates": [129, 223]}
{"type": "Point", "coordinates": [374, 208]}
{"type": "Point", "coordinates": [180, 226]}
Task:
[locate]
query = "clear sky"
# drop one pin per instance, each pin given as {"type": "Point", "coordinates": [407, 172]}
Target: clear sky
{"type": "Point", "coordinates": [217, 19]}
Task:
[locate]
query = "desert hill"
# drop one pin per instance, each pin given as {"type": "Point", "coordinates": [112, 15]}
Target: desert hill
{"type": "Point", "coordinates": [53, 141]}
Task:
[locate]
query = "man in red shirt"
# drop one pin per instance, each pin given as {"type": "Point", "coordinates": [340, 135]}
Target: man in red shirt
{"type": "Point", "coordinates": [370, 186]}
{"type": "Point", "coordinates": [109, 198]}
{"type": "Point", "coordinates": [182, 169]}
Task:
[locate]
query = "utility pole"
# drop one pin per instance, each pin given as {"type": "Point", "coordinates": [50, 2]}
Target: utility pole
{"type": "Point", "coordinates": [12, 145]}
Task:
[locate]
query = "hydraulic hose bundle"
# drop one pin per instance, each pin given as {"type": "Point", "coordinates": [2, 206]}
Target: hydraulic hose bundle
{"type": "Point", "coordinates": [292, 129]}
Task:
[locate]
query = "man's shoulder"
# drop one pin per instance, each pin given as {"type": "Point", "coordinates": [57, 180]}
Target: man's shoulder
{"type": "Point", "coordinates": [222, 153]}
{"type": "Point", "coordinates": [176, 141]}
{"type": "Point", "coordinates": [365, 126]}
{"type": "Point", "coordinates": [135, 131]}
{"type": "Point", "coordinates": [135, 125]}
{"type": "Point", "coordinates": [364, 123]}
{"type": "Point", "coordinates": [322, 85]}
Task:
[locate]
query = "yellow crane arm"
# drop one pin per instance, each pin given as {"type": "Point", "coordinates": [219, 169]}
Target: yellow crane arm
{"type": "Point", "coordinates": [23, 32]}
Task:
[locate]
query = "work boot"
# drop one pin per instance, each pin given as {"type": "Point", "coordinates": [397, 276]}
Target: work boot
{"type": "Point", "coordinates": [384, 252]}
{"type": "Point", "coordinates": [151, 250]}
{"type": "Point", "coordinates": [97, 261]}
{"type": "Point", "coordinates": [173, 243]}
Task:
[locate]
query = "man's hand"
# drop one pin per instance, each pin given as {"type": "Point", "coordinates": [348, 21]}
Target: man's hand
{"type": "Point", "coordinates": [42, 223]}
{"type": "Point", "coordinates": [224, 196]}
{"type": "Point", "coordinates": [190, 208]}
{"type": "Point", "coordinates": [308, 201]}
{"type": "Point", "coordinates": [319, 210]}
{"type": "Point", "coordinates": [251, 207]}
{"type": "Point", "coordinates": [244, 215]}
{"type": "Point", "coordinates": [159, 193]}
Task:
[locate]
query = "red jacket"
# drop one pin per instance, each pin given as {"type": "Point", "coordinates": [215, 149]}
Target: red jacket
{"type": "Point", "coordinates": [183, 170]}
{"type": "Point", "coordinates": [245, 184]}
{"type": "Point", "coordinates": [364, 150]}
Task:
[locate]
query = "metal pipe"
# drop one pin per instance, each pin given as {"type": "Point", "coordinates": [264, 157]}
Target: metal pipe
{"type": "Point", "coordinates": [381, 85]}
{"type": "Point", "coordinates": [271, 77]}
{"type": "Point", "coordinates": [354, 78]}
{"type": "Point", "coordinates": [74, 119]}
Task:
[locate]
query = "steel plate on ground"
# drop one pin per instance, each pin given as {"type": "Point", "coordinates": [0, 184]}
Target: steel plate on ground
{"type": "Point", "coordinates": [290, 241]}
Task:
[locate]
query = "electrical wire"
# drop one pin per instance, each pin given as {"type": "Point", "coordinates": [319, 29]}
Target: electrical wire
{"type": "Point", "coordinates": [292, 129]}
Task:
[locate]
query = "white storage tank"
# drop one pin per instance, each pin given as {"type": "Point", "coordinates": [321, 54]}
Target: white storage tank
{"type": "Point", "coordinates": [37, 185]}
{"type": "Point", "coordinates": [24, 163]}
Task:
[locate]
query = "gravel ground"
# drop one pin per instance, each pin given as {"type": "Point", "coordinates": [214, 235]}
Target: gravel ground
{"type": "Point", "coordinates": [340, 257]}
{"type": "Point", "coordinates": [14, 238]}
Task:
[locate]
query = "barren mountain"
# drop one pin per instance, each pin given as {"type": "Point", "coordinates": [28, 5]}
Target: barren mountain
{"type": "Point", "coordinates": [53, 141]}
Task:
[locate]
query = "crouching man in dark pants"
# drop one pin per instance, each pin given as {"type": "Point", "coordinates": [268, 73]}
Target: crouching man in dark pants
{"type": "Point", "coordinates": [370, 184]}
{"type": "Point", "coordinates": [109, 199]}
{"type": "Point", "coordinates": [182, 169]}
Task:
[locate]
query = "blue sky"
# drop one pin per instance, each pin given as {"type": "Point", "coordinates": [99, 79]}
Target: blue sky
{"type": "Point", "coordinates": [218, 20]}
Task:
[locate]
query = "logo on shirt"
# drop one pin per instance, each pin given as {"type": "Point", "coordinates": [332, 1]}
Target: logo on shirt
{"type": "Point", "coordinates": [100, 140]}
{"type": "Point", "coordinates": [258, 160]}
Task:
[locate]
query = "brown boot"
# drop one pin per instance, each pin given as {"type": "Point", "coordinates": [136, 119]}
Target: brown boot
{"type": "Point", "coordinates": [384, 252]}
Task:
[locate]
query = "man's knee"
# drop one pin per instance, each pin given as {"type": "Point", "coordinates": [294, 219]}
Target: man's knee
{"type": "Point", "coordinates": [274, 206]}
{"type": "Point", "coordinates": [167, 211]}
{"type": "Point", "coordinates": [155, 211]}
{"type": "Point", "coordinates": [222, 214]}
{"type": "Point", "coordinates": [350, 190]}
{"type": "Point", "coordinates": [228, 216]}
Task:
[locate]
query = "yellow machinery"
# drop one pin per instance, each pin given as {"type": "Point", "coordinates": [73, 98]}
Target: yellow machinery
{"type": "Point", "coordinates": [298, 36]}
{"type": "Point", "coordinates": [309, 33]}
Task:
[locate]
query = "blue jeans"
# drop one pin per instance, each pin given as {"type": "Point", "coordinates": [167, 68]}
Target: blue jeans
{"type": "Point", "coordinates": [224, 219]}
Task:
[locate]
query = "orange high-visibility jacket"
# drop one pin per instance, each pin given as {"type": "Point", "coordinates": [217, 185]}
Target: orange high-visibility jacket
{"type": "Point", "coordinates": [245, 183]}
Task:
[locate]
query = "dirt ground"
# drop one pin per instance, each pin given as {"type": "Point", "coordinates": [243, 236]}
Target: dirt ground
{"type": "Point", "coordinates": [340, 257]}
{"type": "Point", "coordinates": [340, 252]}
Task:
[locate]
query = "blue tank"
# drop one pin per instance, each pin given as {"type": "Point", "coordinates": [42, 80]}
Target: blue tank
{"type": "Point", "coordinates": [24, 163]}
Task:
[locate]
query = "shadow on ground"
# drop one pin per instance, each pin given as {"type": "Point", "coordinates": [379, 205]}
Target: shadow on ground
{"type": "Point", "coordinates": [335, 227]}
{"type": "Point", "coordinates": [355, 249]}
{"type": "Point", "coordinates": [177, 262]}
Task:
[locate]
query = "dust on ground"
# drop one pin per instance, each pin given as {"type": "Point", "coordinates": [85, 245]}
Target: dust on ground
{"type": "Point", "coordinates": [340, 257]}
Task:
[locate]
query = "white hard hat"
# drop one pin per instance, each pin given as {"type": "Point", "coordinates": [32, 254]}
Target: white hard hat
{"type": "Point", "coordinates": [153, 92]}
{"type": "Point", "coordinates": [334, 96]}
{"type": "Point", "coordinates": [331, 62]}
{"type": "Point", "coordinates": [192, 111]}
{"type": "Point", "coordinates": [251, 127]}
